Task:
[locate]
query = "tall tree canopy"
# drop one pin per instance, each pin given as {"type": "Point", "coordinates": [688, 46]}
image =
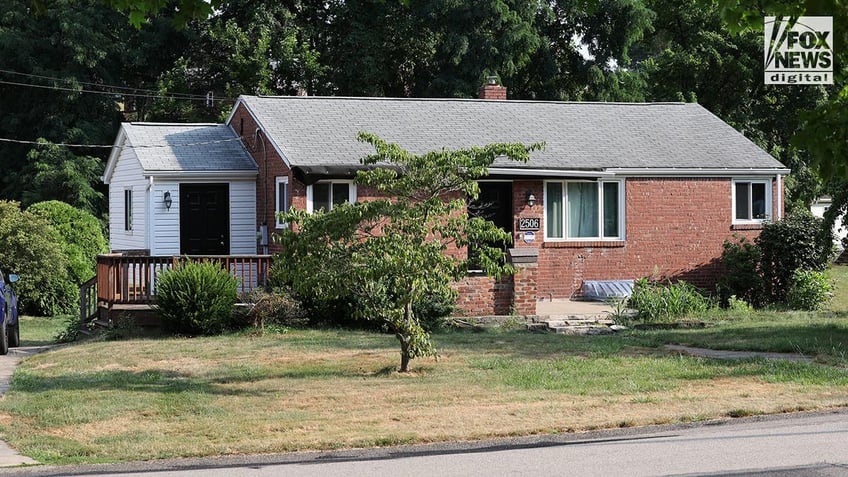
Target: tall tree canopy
{"type": "Point", "coordinates": [603, 50]}
{"type": "Point", "coordinates": [53, 66]}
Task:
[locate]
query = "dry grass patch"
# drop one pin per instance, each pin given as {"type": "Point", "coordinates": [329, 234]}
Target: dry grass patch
{"type": "Point", "coordinates": [148, 399]}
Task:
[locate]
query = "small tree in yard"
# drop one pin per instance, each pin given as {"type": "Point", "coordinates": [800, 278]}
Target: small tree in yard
{"type": "Point", "coordinates": [388, 254]}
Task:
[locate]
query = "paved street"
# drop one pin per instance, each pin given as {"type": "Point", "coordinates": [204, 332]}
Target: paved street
{"type": "Point", "coordinates": [801, 444]}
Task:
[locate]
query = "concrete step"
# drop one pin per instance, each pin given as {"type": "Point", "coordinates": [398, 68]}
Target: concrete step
{"type": "Point", "coordinates": [583, 330]}
{"type": "Point", "coordinates": [593, 324]}
{"type": "Point", "coordinates": [578, 322]}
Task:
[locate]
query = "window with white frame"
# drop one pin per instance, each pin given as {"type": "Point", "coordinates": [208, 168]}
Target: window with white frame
{"type": "Point", "coordinates": [282, 200]}
{"type": "Point", "coordinates": [751, 200]}
{"type": "Point", "coordinates": [128, 209]}
{"type": "Point", "coordinates": [328, 194]}
{"type": "Point", "coordinates": [584, 210]}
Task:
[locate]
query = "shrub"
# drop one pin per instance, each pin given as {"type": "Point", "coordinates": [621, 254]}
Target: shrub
{"type": "Point", "coordinates": [31, 248]}
{"type": "Point", "coordinates": [196, 298]}
{"type": "Point", "coordinates": [277, 307]}
{"type": "Point", "coordinates": [81, 234]}
{"type": "Point", "coordinates": [741, 279]}
{"type": "Point", "coordinates": [810, 290]}
{"type": "Point", "coordinates": [739, 305]}
{"type": "Point", "coordinates": [656, 302]}
{"type": "Point", "coordinates": [796, 242]}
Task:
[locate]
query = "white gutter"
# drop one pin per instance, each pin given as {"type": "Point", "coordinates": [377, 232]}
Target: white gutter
{"type": "Point", "coordinates": [548, 172]}
{"type": "Point", "coordinates": [196, 174]}
{"type": "Point", "coordinates": [691, 172]}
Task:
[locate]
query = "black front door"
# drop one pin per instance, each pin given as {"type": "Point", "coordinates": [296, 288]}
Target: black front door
{"type": "Point", "coordinates": [495, 205]}
{"type": "Point", "coordinates": [204, 219]}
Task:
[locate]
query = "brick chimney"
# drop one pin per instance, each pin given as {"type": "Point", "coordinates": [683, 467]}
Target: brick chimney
{"type": "Point", "coordinates": [492, 90]}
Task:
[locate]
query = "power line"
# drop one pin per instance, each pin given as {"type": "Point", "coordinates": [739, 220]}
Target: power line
{"type": "Point", "coordinates": [176, 96]}
{"type": "Point", "coordinates": [110, 146]}
{"type": "Point", "coordinates": [129, 89]}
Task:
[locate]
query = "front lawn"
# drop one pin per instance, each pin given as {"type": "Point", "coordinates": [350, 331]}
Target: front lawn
{"type": "Point", "coordinates": [101, 401]}
{"type": "Point", "coordinates": [146, 399]}
{"type": "Point", "coordinates": [39, 331]}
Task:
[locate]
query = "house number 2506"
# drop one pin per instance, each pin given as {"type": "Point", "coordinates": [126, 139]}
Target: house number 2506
{"type": "Point", "coordinates": [528, 223]}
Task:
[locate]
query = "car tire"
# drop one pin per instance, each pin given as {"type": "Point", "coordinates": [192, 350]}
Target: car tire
{"type": "Point", "coordinates": [4, 339]}
{"type": "Point", "coordinates": [15, 336]}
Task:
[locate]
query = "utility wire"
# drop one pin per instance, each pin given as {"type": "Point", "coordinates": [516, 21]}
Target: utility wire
{"type": "Point", "coordinates": [128, 89]}
{"type": "Point", "coordinates": [125, 146]}
{"type": "Point", "coordinates": [113, 93]}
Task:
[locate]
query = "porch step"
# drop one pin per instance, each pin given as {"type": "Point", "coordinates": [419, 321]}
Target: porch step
{"type": "Point", "coordinates": [595, 324]}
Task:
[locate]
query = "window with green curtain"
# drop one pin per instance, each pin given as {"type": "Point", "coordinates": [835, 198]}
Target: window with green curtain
{"type": "Point", "coordinates": [553, 205]}
{"type": "Point", "coordinates": [582, 209]}
{"type": "Point", "coordinates": [611, 194]}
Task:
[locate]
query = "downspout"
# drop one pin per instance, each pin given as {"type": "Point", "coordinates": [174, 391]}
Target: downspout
{"type": "Point", "coordinates": [779, 197]}
{"type": "Point", "coordinates": [263, 227]}
{"type": "Point", "coordinates": [151, 216]}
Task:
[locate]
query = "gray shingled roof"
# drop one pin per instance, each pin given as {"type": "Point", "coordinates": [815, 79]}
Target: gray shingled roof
{"type": "Point", "coordinates": [189, 147]}
{"type": "Point", "coordinates": [313, 131]}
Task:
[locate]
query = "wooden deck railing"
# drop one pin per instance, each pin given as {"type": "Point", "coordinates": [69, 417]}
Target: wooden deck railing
{"type": "Point", "coordinates": [88, 301]}
{"type": "Point", "coordinates": [129, 279]}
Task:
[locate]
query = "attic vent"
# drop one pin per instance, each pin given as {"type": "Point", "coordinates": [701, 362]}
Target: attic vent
{"type": "Point", "coordinates": [603, 290]}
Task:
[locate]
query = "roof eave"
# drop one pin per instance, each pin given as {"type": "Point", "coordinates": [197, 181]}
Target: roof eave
{"type": "Point", "coordinates": [696, 172]}
{"type": "Point", "coordinates": [536, 172]}
{"type": "Point", "coordinates": [117, 147]}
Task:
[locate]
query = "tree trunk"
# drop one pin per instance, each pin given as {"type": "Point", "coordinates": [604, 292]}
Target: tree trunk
{"type": "Point", "coordinates": [406, 340]}
{"type": "Point", "coordinates": [404, 356]}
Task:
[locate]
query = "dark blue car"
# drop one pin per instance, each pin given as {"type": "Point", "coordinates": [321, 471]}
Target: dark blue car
{"type": "Point", "coordinates": [10, 334]}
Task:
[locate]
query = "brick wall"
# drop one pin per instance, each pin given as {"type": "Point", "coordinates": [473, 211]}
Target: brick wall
{"type": "Point", "coordinates": [271, 166]}
{"type": "Point", "coordinates": [674, 229]}
{"type": "Point", "coordinates": [481, 296]}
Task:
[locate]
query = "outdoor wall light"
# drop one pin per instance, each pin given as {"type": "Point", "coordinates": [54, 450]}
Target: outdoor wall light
{"type": "Point", "coordinates": [531, 199]}
{"type": "Point", "coordinates": [168, 200]}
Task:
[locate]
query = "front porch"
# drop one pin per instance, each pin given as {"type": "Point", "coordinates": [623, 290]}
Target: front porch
{"type": "Point", "coordinates": [126, 283]}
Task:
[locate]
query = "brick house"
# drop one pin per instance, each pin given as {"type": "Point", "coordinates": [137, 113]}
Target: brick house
{"type": "Point", "coordinates": [620, 191]}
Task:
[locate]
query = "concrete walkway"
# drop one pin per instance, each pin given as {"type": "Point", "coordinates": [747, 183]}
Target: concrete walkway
{"type": "Point", "coordinates": [722, 354]}
{"type": "Point", "coordinates": [8, 456]}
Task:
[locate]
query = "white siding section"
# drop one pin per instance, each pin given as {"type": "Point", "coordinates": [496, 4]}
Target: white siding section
{"type": "Point", "coordinates": [243, 217]}
{"type": "Point", "coordinates": [128, 174]}
{"type": "Point", "coordinates": [165, 236]}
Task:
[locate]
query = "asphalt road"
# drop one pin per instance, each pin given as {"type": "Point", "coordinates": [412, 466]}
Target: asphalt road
{"type": "Point", "coordinates": [814, 444]}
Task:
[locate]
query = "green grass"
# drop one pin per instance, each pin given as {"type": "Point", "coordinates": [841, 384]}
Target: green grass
{"type": "Point", "coordinates": [136, 399]}
{"type": "Point", "coordinates": [308, 389]}
{"type": "Point", "coordinates": [822, 335]}
{"type": "Point", "coordinates": [39, 331]}
{"type": "Point", "coordinates": [839, 274]}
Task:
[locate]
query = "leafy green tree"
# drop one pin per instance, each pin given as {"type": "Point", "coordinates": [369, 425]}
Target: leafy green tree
{"type": "Point", "coordinates": [140, 12]}
{"type": "Point", "coordinates": [390, 253]}
{"type": "Point", "coordinates": [247, 47]}
{"type": "Point", "coordinates": [55, 66]}
{"type": "Point", "coordinates": [824, 129]}
{"type": "Point", "coordinates": [53, 172]}
{"type": "Point", "coordinates": [81, 234]}
{"type": "Point", "coordinates": [31, 248]}
{"type": "Point", "coordinates": [691, 56]}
